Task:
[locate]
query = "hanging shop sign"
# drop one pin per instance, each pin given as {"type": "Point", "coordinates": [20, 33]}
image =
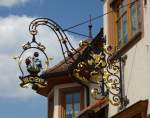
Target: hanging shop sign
{"type": "Point", "coordinates": [31, 66]}
{"type": "Point", "coordinates": [33, 61]}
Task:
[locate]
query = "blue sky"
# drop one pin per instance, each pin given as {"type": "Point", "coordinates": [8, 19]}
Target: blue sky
{"type": "Point", "coordinates": [15, 16]}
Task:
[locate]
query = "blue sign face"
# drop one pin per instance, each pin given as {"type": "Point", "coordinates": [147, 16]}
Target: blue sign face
{"type": "Point", "coordinates": [33, 62]}
{"type": "Point", "coordinates": [33, 67]}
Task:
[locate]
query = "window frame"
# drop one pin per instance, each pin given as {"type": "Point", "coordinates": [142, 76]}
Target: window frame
{"type": "Point", "coordinates": [122, 13]}
{"type": "Point", "coordinates": [113, 32]}
{"type": "Point", "coordinates": [128, 13]}
{"type": "Point", "coordinates": [51, 105]}
{"type": "Point", "coordinates": [63, 92]}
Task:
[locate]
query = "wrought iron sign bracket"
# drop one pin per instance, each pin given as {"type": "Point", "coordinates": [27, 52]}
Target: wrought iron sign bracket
{"type": "Point", "coordinates": [94, 67]}
{"type": "Point", "coordinates": [31, 63]}
{"type": "Point", "coordinates": [110, 84]}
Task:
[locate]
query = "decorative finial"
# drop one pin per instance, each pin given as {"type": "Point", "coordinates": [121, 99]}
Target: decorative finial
{"type": "Point", "coordinates": [90, 27]}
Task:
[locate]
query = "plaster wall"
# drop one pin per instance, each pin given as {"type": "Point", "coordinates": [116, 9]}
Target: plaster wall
{"type": "Point", "coordinates": [137, 68]}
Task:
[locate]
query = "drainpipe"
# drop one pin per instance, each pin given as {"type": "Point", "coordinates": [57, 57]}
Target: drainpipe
{"type": "Point", "coordinates": [123, 98]}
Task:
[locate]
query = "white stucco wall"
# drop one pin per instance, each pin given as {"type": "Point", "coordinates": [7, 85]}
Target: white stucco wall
{"type": "Point", "coordinates": [56, 89]}
{"type": "Point", "coordinates": [137, 68]}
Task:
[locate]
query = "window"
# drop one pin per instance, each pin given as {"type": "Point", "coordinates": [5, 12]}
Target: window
{"type": "Point", "coordinates": [128, 20]}
{"type": "Point", "coordinates": [72, 106]}
{"type": "Point", "coordinates": [135, 14]}
{"type": "Point", "coordinates": [121, 22]}
{"type": "Point", "coordinates": [71, 101]}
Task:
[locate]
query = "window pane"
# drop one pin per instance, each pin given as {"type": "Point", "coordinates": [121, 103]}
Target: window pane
{"type": "Point", "coordinates": [68, 106]}
{"type": "Point", "coordinates": [132, 1]}
{"type": "Point", "coordinates": [68, 110]}
{"type": "Point", "coordinates": [139, 15]}
{"type": "Point", "coordinates": [72, 104]}
{"type": "Point", "coordinates": [68, 115]}
{"type": "Point", "coordinates": [68, 98]}
{"type": "Point", "coordinates": [125, 33]}
{"type": "Point", "coordinates": [136, 16]}
{"type": "Point", "coordinates": [119, 33]}
{"type": "Point", "coordinates": [119, 10]}
{"type": "Point", "coordinates": [76, 108]}
{"type": "Point", "coordinates": [124, 7]}
{"type": "Point", "coordinates": [133, 18]}
{"type": "Point", "coordinates": [76, 99]}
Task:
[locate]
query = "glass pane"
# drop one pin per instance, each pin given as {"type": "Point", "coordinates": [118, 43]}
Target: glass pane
{"type": "Point", "coordinates": [68, 115]}
{"type": "Point", "coordinates": [72, 104]}
{"type": "Point", "coordinates": [124, 7]}
{"type": "Point", "coordinates": [69, 106]}
{"type": "Point", "coordinates": [76, 97]}
{"type": "Point", "coordinates": [119, 33]}
{"type": "Point", "coordinates": [133, 18]}
{"type": "Point", "coordinates": [68, 99]}
{"type": "Point", "coordinates": [121, 7]}
{"type": "Point", "coordinates": [125, 33]}
{"type": "Point", "coordinates": [68, 110]}
{"type": "Point", "coordinates": [119, 10]}
{"type": "Point", "coordinates": [139, 9]}
{"type": "Point", "coordinates": [76, 108]}
{"type": "Point", "coordinates": [132, 1]}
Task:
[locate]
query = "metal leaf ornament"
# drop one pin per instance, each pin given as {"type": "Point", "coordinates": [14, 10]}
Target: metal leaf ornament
{"type": "Point", "coordinates": [96, 68]}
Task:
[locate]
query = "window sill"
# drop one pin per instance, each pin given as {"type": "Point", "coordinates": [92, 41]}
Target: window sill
{"type": "Point", "coordinates": [128, 46]}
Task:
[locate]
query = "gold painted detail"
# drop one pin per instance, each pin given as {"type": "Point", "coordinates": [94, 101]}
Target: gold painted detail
{"type": "Point", "coordinates": [29, 80]}
{"type": "Point", "coordinates": [97, 68]}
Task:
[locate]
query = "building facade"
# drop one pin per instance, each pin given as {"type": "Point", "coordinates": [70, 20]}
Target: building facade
{"type": "Point", "coordinates": [126, 27]}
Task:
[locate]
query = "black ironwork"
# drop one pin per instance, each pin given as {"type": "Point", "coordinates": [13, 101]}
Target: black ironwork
{"type": "Point", "coordinates": [65, 44]}
{"type": "Point", "coordinates": [32, 62]}
{"type": "Point", "coordinates": [94, 67]}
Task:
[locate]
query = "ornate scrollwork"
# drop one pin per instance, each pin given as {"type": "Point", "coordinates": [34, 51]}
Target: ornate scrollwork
{"type": "Point", "coordinates": [31, 63]}
{"type": "Point", "coordinates": [89, 70]}
{"type": "Point", "coordinates": [97, 68]}
{"type": "Point", "coordinates": [111, 78]}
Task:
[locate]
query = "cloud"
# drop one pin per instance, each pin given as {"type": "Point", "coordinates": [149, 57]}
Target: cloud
{"type": "Point", "coordinates": [14, 32]}
{"type": "Point", "coordinates": [10, 3]}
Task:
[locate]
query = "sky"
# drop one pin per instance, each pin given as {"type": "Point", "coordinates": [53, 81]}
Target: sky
{"type": "Point", "coordinates": [15, 17]}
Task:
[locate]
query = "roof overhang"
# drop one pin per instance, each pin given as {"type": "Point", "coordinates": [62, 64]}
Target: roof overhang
{"type": "Point", "coordinates": [53, 80]}
{"type": "Point", "coordinates": [137, 110]}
